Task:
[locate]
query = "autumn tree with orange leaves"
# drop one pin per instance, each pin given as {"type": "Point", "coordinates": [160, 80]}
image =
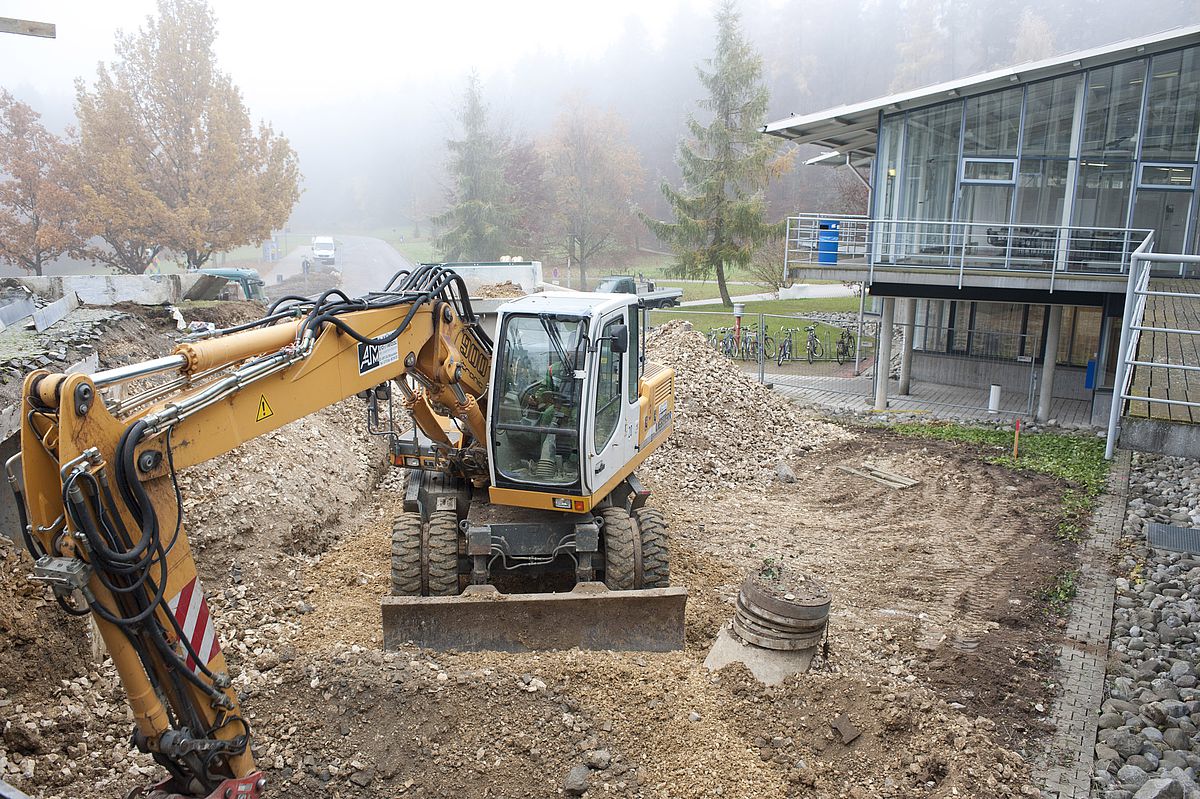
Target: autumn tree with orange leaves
{"type": "Point", "coordinates": [167, 157]}
{"type": "Point", "coordinates": [37, 211]}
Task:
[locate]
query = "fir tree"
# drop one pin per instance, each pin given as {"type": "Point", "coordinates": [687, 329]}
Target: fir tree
{"type": "Point", "coordinates": [477, 225]}
{"type": "Point", "coordinates": [725, 165]}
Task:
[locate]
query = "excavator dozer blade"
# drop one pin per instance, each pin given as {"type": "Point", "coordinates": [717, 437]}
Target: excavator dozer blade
{"type": "Point", "coordinates": [589, 617]}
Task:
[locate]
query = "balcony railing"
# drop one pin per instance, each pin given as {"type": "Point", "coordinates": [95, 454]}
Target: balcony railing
{"type": "Point", "coordinates": [826, 241]}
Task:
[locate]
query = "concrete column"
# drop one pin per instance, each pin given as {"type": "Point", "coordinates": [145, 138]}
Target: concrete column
{"type": "Point", "coordinates": [1046, 390]}
{"type": "Point", "coordinates": [883, 362]}
{"type": "Point", "coordinates": [906, 354]}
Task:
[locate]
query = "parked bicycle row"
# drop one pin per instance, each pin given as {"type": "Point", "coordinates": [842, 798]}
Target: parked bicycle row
{"type": "Point", "coordinates": [793, 344]}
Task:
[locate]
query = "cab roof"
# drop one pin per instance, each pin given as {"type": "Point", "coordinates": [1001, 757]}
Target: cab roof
{"type": "Point", "coordinates": [581, 303]}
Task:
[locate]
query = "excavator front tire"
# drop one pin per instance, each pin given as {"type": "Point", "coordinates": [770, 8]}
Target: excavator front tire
{"type": "Point", "coordinates": [441, 554]}
{"type": "Point", "coordinates": [425, 555]}
{"type": "Point", "coordinates": [635, 549]}
{"type": "Point", "coordinates": [619, 538]}
{"type": "Point", "coordinates": [406, 555]}
{"type": "Point", "coordinates": [656, 565]}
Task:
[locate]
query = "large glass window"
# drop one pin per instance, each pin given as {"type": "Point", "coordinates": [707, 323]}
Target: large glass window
{"type": "Point", "coordinates": [1102, 195]}
{"type": "Point", "coordinates": [537, 420]}
{"type": "Point", "coordinates": [1049, 114]}
{"type": "Point", "coordinates": [1114, 110]}
{"type": "Point", "coordinates": [930, 174]}
{"type": "Point", "coordinates": [887, 194]}
{"type": "Point", "coordinates": [608, 387]}
{"type": "Point", "coordinates": [1042, 191]}
{"type": "Point", "coordinates": [1173, 113]}
{"type": "Point", "coordinates": [993, 124]}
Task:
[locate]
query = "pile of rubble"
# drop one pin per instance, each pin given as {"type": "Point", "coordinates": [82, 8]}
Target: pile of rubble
{"type": "Point", "coordinates": [729, 429]}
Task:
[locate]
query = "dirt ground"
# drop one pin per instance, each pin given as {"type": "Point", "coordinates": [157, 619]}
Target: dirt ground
{"type": "Point", "coordinates": [940, 645]}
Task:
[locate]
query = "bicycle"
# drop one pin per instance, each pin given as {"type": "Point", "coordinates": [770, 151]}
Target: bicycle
{"type": "Point", "coordinates": [786, 346]}
{"type": "Point", "coordinates": [813, 348]}
{"type": "Point", "coordinates": [845, 346]}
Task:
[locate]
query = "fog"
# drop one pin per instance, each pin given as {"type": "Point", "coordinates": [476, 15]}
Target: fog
{"type": "Point", "coordinates": [367, 93]}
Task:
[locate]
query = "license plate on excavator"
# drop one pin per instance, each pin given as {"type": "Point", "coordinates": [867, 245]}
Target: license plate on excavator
{"type": "Point", "coordinates": [588, 617]}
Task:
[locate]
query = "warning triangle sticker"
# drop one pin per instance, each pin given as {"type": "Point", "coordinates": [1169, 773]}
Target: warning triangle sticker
{"type": "Point", "coordinates": [264, 408]}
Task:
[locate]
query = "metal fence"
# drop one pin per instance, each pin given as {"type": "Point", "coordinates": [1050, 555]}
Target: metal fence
{"type": "Point", "coordinates": [826, 358]}
{"type": "Point", "coordinates": [821, 353]}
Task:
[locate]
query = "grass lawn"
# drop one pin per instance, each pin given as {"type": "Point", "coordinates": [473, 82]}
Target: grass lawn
{"type": "Point", "coordinates": [417, 251]}
{"type": "Point", "coordinates": [715, 316]}
{"type": "Point", "coordinates": [707, 290]}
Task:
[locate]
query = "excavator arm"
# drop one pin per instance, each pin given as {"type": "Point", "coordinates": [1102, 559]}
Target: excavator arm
{"type": "Point", "coordinates": [96, 478]}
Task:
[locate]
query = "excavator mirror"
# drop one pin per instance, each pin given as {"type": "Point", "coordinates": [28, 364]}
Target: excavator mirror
{"type": "Point", "coordinates": [620, 339]}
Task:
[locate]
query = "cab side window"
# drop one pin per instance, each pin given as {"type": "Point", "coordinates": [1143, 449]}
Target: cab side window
{"type": "Point", "coordinates": [608, 387]}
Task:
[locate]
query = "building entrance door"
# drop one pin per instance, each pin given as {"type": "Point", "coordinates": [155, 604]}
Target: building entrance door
{"type": "Point", "coordinates": [1165, 212]}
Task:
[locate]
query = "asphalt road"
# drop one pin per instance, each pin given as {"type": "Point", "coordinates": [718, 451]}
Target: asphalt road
{"type": "Point", "coordinates": [366, 263]}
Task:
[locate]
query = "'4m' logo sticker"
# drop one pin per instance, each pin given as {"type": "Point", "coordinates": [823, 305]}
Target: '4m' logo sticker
{"type": "Point", "coordinates": [372, 356]}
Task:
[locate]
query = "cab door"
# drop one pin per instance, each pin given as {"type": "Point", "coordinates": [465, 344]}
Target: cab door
{"type": "Point", "coordinates": [608, 437]}
{"type": "Point", "coordinates": [615, 421]}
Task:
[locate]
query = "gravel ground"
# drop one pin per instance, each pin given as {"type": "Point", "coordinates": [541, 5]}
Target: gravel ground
{"type": "Point", "coordinates": [1149, 746]}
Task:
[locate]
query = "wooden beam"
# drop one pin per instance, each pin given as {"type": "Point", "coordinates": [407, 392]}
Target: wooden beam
{"type": "Point", "coordinates": [27, 27]}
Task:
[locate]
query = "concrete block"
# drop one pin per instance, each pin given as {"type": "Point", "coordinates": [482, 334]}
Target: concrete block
{"type": "Point", "coordinates": [768, 666]}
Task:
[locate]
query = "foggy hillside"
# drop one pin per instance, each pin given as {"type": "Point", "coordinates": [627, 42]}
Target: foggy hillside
{"type": "Point", "coordinates": [372, 153]}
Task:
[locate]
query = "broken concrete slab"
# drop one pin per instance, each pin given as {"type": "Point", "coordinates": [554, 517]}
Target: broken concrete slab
{"type": "Point", "coordinates": [769, 666]}
{"type": "Point", "coordinates": [208, 287]}
{"type": "Point", "coordinates": [55, 312]}
{"type": "Point", "coordinates": [16, 311]}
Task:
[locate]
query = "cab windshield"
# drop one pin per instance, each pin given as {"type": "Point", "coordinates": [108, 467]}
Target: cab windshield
{"type": "Point", "coordinates": [537, 419]}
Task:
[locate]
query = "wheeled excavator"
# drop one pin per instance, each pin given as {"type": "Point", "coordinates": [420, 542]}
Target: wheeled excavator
{"type": "Point", "coordinates": [520, 458]}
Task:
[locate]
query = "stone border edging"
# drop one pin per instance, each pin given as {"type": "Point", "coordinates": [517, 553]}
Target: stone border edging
{"type": "Point", "coordinates": [1065, 769]}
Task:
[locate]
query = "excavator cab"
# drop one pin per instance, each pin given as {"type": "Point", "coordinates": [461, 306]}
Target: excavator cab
{"type": "Point", "coordinates": [572, 409]}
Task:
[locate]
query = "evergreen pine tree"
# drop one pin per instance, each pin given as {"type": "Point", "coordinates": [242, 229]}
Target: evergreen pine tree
{"type": "Point", "coordinates": [725, 165]}
{"type": "Point", "coordinates": [477, 225]}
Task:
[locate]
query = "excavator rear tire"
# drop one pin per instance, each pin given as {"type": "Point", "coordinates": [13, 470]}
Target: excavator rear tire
{"type": "Point", "coordinates": [656, 565]}
{"type": "Point", "coordinates": [620, 536]}
{"type": "Point", "coordinates": [406, 555]}
{"type": "Point", "coordinates": [441, 553]}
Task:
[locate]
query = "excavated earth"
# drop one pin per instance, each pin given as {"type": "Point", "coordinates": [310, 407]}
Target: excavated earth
{"type": "Point", "coordinates": [940, 649]}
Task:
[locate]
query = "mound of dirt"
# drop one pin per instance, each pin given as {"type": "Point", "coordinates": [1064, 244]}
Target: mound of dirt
{"type": "Point", "coordinates": [729, 429]}
{"type": "Point", "coordinates": [282, 493]}
{"type": "Point", "coordinates": [499, 291]}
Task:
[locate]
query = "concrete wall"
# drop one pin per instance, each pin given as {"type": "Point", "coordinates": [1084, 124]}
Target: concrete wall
{"type": "Point", "coordinates": [526, 274]}
{"type": "Point", "coordinates": [959, 370]}
{"type": "Point", "coordinates": [111, 289]}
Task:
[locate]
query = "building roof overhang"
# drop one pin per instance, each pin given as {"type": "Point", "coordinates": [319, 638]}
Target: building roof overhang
{"type": "Point", "coordinates": [854, 129]}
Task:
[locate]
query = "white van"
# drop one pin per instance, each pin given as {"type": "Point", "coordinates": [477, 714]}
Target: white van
{"type": "Point", "coordinates": [323, 250]}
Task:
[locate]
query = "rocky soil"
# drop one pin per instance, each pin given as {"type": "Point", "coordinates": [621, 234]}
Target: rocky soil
{"type": "Point", "coordinates": [1149, 738]}
{"type": "Point", "coordinates": [939, 637]}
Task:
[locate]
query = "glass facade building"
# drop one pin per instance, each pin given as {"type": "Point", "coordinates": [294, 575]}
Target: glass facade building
{"type": "Point", "coordinates": [1106, 149]}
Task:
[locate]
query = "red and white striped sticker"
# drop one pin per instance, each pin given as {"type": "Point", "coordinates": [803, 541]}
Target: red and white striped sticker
{"type": "Point", "coordinates": [191, 611]}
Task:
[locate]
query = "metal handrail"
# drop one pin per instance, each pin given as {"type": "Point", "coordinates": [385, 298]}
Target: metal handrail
{"type": "Point", "coordinates": [963, 245]}
{"type": "Point", "coordinates": [1137, 291]}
